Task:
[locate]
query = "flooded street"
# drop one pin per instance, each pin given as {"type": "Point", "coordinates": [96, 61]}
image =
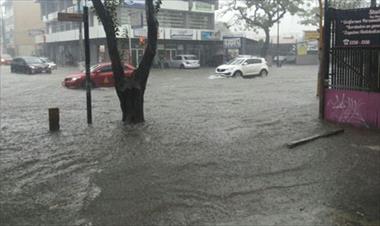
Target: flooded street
{"type": "Point", "coordinates": [211, 152]}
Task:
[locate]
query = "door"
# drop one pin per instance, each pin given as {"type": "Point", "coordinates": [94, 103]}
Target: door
{"type": "Point", "coordinates": [23, 66]}
{"type": "Point", "coordinates": [246, 67]}
{"type": "Point", "coordinates": [256, 66]}
{"type": "Point", "coordinates": [103, 76]}
{"type": "Point", "coordinates": [253, 66]}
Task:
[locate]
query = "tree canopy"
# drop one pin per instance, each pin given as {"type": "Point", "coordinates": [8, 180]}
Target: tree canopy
{"type": "Point", "coordinates": [311, 13]}
{"type": "Point", "coordinates": [259, 14]}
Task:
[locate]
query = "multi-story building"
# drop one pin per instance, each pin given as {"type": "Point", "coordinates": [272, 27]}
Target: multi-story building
{"type": "Point", "coordinates": [186, 27]}
{"type": "Point", "coordinates": [21, 22]}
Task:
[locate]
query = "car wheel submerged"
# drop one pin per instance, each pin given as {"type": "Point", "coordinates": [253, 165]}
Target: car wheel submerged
{"type": "Point", "coordinates": [182, 66]}
{"type": "Point", "coordinates": [263, 73]}
{"type": "Point", "coordinates": [237, 74]}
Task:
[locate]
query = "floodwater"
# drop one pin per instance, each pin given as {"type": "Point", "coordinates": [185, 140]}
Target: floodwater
{"type": "Point", "coordinates": [212, 152]}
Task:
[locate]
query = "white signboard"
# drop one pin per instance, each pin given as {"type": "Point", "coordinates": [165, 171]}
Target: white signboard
{"type": "Point", "coordinates": [202, 7]}
{"type": "Point", "coordinates": [182, 34]}
{"type": "Point", "coordinates": [143, 32]}
{"type": "Point", "coordinates": [137, 19]}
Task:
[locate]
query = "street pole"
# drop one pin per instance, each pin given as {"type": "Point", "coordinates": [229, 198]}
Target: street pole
{"type": "Point", "coordinates": [278, 36]}
{"type": "Point", "coordinates": [326, 59]}
{"type": "Point", "coordinates": [373, 3]}
{"type": "Point", "coordinates": [80, 33]}
{"type": "Point", "coordinates": [129, 46]}
{"type": "Point", "coordinates": [2, 30]}
{"type": "Point", "coordinates": [87, 55]}
{"type": "Point", "coordinates": [320, 46]}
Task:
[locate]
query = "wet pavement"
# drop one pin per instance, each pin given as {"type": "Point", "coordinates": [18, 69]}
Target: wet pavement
{"type": "Point", "coordinates": [212, 152]}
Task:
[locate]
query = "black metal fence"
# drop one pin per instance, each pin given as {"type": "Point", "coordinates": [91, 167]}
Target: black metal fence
{"type": "Point", "coordinates": [352, 68]}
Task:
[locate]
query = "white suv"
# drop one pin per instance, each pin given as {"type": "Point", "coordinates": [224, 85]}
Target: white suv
{"type": "Point", "coordinates": [243, 66]}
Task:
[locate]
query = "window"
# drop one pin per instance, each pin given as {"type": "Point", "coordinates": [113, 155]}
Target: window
{"type": "Point", "coordinates": [190, 58]}
{"type": "Point", "coordinates": [254, 61]}
{"type": "Point", "coordinates": [16, 61]}
{"type": "Point", "coordinates": [104, 69]}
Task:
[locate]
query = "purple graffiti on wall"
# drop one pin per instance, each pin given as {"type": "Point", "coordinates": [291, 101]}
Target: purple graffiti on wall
{"type": "Point", "coordinates": [353, 107]}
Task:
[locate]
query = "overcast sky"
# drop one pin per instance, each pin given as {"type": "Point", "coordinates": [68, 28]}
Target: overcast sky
{"type": "Point", "coordinates": [289, 26]}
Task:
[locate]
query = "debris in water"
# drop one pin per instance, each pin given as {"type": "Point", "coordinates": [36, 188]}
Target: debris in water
{"type": "Point", "coordinates": [315, 137]}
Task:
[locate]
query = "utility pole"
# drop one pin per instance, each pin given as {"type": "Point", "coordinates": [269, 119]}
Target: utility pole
{"type": "Point", "coordinates": [87, 53]}
{"type": "Point", "coordinates": [80, 32]}
{"type": "Point", "coordinates": [278, 35]}
{"type": "Point", "coordinates": [3, 47]}
{"type": "Point", "coordinates": [373, 3]}
{"type": "Point", "coordinates": [320, 46]}
{"type": "Point", "coordinates": [326, 58]}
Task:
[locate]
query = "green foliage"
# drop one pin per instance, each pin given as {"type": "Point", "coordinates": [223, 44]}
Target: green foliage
{"type": "Point", "coordinates": [111, 6]}
{"type": "Point", "coordinates": [263, 14]}
{"type": "Point", "coordinates": [310, 15]}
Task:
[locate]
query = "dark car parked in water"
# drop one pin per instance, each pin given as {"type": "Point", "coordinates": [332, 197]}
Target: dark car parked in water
{"type": "Point", "coordinates": [29, 65]}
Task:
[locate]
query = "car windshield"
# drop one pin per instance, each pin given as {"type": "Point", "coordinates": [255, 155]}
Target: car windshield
{"type": "Point", "coordinates": [237, 61]}
{"type": "Point", "coordinates": [33, 60]}
{"type": "Point", "coordinates": [45, 60]}
{"type": "Point", "coordinates": [190, 57]}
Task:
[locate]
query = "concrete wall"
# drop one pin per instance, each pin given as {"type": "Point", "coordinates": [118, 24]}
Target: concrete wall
{"type": "Point", "coordinates": [357, 108]}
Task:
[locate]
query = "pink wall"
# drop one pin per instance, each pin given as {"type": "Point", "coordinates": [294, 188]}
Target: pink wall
{"type": "Point", "coordinates": [357, 108]}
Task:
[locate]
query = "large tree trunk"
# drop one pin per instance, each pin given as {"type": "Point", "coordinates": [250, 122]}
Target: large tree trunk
{"type": "Point", "coordinates": [130, 90]}
{"type": "Point", "coordinates": [264, 49]}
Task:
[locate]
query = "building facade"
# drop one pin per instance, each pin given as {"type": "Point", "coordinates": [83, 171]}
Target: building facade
{"type": "Point", "coordinates": [186, 27]}
{"type": "Point", "coordinates": [21, 22]}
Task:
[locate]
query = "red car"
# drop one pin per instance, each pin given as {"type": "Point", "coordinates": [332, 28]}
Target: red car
{"type": "Point", "coordinates": [5, 59]}
{"type": "Point", "coordinates": [101, 76]}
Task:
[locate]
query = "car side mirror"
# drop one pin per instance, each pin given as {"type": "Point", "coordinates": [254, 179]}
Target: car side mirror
{"type": "Point", "coordinates": [245, 63]}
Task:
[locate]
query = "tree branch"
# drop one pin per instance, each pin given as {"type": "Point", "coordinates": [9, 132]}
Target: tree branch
{"type": "Point", "coordinates": [142, 72]}
{"type": "Point", "coordinates": [109, 29]}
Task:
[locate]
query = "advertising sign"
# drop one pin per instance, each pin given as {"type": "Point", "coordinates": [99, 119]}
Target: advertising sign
{"type": "Point", "coordinates": [139, 4]}
{"type": "Point", "coordinates": [72, 17]}
{"type": "Point", "coordinates": [143, 32]}
{"type": "Point", "coordinates": [302, 49]}
{"type": "Point", "coordinates": [182, 34]}
{"type": "Point", "coordinates": [202, 7]}
{"type": "Point", "coordinates": [358, 27]}
{"type": "Point", "coordinates": [311, 35]}
{"type": "Point", "coordinates": [232, 43]}
{"type": "Point", "coordinates": [137, 19]}
{"type": "Point", "coordinates": [210, 35]}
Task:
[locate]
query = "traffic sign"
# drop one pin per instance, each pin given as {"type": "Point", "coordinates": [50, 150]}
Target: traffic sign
{"type": "Point", "coordinates": [73, 17]}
